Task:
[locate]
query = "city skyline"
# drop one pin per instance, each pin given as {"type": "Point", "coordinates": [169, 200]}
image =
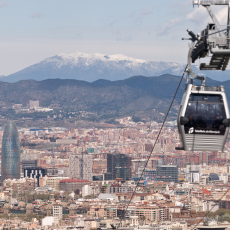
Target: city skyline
{"type": "Point", "coordinates": [55, 182]}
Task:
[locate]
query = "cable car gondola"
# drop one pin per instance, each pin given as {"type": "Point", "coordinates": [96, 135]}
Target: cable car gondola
{"type": "Point", "coordinates": [203, 118]}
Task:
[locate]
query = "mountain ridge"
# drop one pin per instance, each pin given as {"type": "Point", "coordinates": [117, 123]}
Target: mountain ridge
{"type": "Point", "coordinates": [145, 98]}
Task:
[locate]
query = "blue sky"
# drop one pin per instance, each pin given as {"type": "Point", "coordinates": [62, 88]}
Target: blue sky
{"type": "Point", "coordinates": [148, 29]}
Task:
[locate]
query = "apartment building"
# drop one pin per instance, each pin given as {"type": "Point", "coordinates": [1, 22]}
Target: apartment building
{"type": "Point", "coordinates": [54, 182]}
{"type": "Point", "coordinates": [152, 213]}
{"type": "Point", "coordinates": [80, 166]}
{"type": "Point", "coordinates": [57, 211]}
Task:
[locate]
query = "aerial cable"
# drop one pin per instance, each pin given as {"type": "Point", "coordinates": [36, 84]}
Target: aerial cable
{"type": "Point", "coordinates": [158, 135]}
{"type": "Point", "coordinates": [196, 37]}
{"type": "Point", "coordinates": [214, 32]}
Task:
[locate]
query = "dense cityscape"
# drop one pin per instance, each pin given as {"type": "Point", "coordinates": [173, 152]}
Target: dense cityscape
{"type": "Point", "coordinates": [59, 178]}
{"type": "Point", "coordinates": [115, 115]}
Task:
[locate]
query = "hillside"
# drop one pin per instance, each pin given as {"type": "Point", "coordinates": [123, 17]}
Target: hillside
{"type": "Point", "coordinates": [145, 98]}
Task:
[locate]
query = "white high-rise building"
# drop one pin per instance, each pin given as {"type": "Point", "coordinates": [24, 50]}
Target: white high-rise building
{"type": "Point", "coordinates": [87, 190]}
{"type": "Point", "coordinates": [80, 168]}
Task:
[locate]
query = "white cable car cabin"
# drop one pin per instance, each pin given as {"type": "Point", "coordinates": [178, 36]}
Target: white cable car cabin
{"type": "Point", "coordinates": [203, 119]}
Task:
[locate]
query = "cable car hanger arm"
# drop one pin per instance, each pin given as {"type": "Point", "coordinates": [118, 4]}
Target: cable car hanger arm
{"type": "Point", "coordinates": [190, 74]}
{"type": "Point", "coordinates": [209, 41]}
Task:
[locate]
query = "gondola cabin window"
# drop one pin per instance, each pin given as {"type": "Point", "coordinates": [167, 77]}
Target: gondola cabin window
{"type": "Point", "coordinates": [205, 113]}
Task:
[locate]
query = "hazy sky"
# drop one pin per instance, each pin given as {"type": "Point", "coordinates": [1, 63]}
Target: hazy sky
{"type": "Point", "coordinates": [33, 30]}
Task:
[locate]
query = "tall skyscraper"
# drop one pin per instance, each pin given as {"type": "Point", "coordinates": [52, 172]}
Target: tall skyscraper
{"type": "Point", "coordinates": [118, 166]}
{"type": "Point", "coordinates": [10, 152]}
{"type": "Point", "coordinates": [80, 166]}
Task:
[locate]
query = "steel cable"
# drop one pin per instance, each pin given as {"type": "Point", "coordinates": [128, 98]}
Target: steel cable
{"type": "Point", "coordinates": [154, 144]}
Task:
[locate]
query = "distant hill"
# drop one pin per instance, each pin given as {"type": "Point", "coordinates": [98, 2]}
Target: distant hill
{"type": "Point", "coordinates": [142, 97]}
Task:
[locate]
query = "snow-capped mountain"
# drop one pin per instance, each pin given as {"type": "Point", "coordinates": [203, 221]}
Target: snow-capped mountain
{"type": "Point", "coordinates": [94, 66]}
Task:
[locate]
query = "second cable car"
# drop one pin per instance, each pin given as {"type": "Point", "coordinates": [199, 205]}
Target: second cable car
{"type": "Point", "coordinates": [203, 118]}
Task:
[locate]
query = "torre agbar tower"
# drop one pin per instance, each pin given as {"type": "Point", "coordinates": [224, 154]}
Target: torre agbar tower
{"type": "Point", "coordinates": [10, 152]}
